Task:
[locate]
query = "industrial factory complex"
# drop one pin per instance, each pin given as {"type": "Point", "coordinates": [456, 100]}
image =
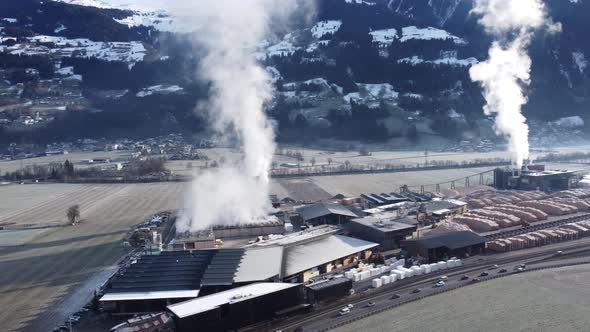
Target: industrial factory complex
{"type": "Point", "coordinates": [307, 254]}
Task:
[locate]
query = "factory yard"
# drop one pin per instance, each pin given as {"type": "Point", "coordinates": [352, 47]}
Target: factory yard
{"type": "Point", "coordinates": [41, 267]}
{"type": "Point", "coordinates": [545, 300]}
{"type": "Point", "coordinates": [51, 268]}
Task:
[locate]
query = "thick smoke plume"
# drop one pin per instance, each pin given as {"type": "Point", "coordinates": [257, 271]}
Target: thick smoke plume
{"type": "Point", "coordinates": [507, 71]}
{"type": "Point", "coordinates": [226, 31]}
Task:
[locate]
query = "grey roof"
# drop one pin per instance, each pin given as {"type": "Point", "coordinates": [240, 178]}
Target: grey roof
{"type": "Point", "coordinates": [440, 205]}
{"type": "Point", "coordinates": [317, 210]}
{"type": "Point", "coordinates": [304, 256]}
{"type": "Point", "coordinates": [222, 268]}
{"type": "Point", "coordinates": [384, 226]}
{"type": "Point", "coordinates": [239, 294]}
{"type": "Point", "coordinates": [451, 240]}
{"type": "Point", "coordinates": [260, 264]}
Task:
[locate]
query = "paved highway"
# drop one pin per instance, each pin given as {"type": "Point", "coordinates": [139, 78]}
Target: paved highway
{"type": "Point", "coordinates": [326, 317]}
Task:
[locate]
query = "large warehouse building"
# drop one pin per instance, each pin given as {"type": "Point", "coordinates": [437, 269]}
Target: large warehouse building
{"type": "Point", "coordinates": [325, 214]}
{"type": "Point", "coordinates": [533, 178]}
{"type": "Point", "coordinates": [437, 247]}
{"type": "Point", "coordinates": [235, 308]}
{"type": "Point", "coordinates": [154, 282]}
{"type": "Point", "coordinates": [316, 251]}
{"type": "Point", "coordinates": [387, 233]}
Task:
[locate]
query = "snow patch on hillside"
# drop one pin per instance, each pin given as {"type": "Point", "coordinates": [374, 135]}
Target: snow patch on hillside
{"type": "Point", "coordinates": [384, 37]}
{"type": "Point", "coordinates": [87, 3]}
{"type": "Point", "coordinates": [580, 61]}
{"type": "Point", "coordinates": [570, 122]}
{"type": "Point", "coordinates": [159, 89]}
{"type": "Point", "coordinates": [283, 48]}
{"type": "Point", "coordinates": [372, 94]}
{"type": "Point", "coordinates": [9, 20]}
{"type": "Point", "coordinates": [450, 61]}
{"type": "Point", "coordinates": [60, 28]}
{"type": "Point", "coordinates": [129, 52]}
{"type": "Point", "coordinates": [159, 20]}
{"type": "Point", "coordinates": [360, 2]}
{"type": "Point", "coordinates": [65, 71]}
{"type": "Point", "coordinates": [412, 32]}
{"type": "Point", "coordinates": [325, 27]}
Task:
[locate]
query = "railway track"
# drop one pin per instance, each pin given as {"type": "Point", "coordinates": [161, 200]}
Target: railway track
{"type": "Point", "coordinates": [534, 228]}
{"type": "Point", "coordinates": [415, 282]}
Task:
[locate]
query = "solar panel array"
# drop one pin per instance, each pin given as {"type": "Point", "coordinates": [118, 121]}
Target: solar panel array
{"type": "Point", "coordinates": [223, 267]}
{"type": "Point", "coordinates": [171, 270]}
{"type": "Point", "coordinates": [392, 198]}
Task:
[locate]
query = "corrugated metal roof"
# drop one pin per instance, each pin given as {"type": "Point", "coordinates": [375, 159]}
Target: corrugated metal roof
{"type": "Point", "coordinates": [451, 240]}
{"type": "Point", "coordinates": [210, 302]}
{"type": "Point", "coordinates": [304, 256]}
{"type": "Point", "coordinates": [317, 210]}
{"type": "Point", "coordinates": [150, 295]}
{"type": "Point", "coordinates": [260, 264]}
{"type": "Point", "coordinates": [383, 225]}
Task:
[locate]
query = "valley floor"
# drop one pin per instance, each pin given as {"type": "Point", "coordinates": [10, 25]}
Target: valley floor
{"type": "Point", "coordinates": [547, 300]}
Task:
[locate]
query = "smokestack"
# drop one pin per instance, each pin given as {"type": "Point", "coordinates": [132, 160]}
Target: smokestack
{"type": "Point", "coordinates": [507, 70]}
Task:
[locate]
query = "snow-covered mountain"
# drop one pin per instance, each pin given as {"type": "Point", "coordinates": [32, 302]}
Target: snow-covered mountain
{"type": "Point", "coordinates": [408, 59]}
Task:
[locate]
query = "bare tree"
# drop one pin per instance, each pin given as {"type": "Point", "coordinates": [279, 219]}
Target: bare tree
{"type": "Point", "coordinates": [347, 164]}
{"type": "Point", "coordinates": [73, 214]}
{"type": "Point", "coordinates": [330, 161]}
{"type": "Point", "coordinates": [312, 161]}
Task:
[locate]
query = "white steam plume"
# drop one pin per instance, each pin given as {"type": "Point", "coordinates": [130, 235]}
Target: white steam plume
{"type": "Point", "coordinates": [226, 31]}
{"type": "Point", "coordinates": [508, 68]}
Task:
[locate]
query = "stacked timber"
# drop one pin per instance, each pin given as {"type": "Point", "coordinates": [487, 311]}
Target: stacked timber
{"type": "Point", "coordinates": [576, 193]}
{"type": "Point", "coordinates": [582, 205]}
{"type": "Point", "coordinates": [502, 219]}
{"type": "Point", "coordinates": [477, 224]}
{"type": "Point", "coordinates": [450, 226]}
{"type": "Point", "coordinates": [547, 207]}
{"type": "Point", "coordinates": [476, 203]}
{"type": "Point", "coordinates": [513, 210]}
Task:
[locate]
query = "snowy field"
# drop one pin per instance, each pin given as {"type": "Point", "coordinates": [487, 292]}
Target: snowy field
{"type": "Point", "coordinates": [550, 300]}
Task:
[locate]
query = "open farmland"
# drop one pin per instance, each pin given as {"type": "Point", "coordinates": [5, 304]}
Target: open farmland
{"type": "Point", "coordinates": [43, 266]}
{"type": "Point", "coordinates": [350, 185]}
{"type": "Point", "coordinates": [546, 300]}
{"type": "Point", "coordinates": [77, 158]}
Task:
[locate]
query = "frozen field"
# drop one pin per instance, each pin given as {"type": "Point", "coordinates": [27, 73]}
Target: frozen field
{"type": "Point", "coordinates": [41, 267]}
{"type": "Point", "coordinates": [551, 300]}
{"type": "Point", "coordinates": [75, 157]}
{"type": "Point", "coordinates": [350, 185]}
